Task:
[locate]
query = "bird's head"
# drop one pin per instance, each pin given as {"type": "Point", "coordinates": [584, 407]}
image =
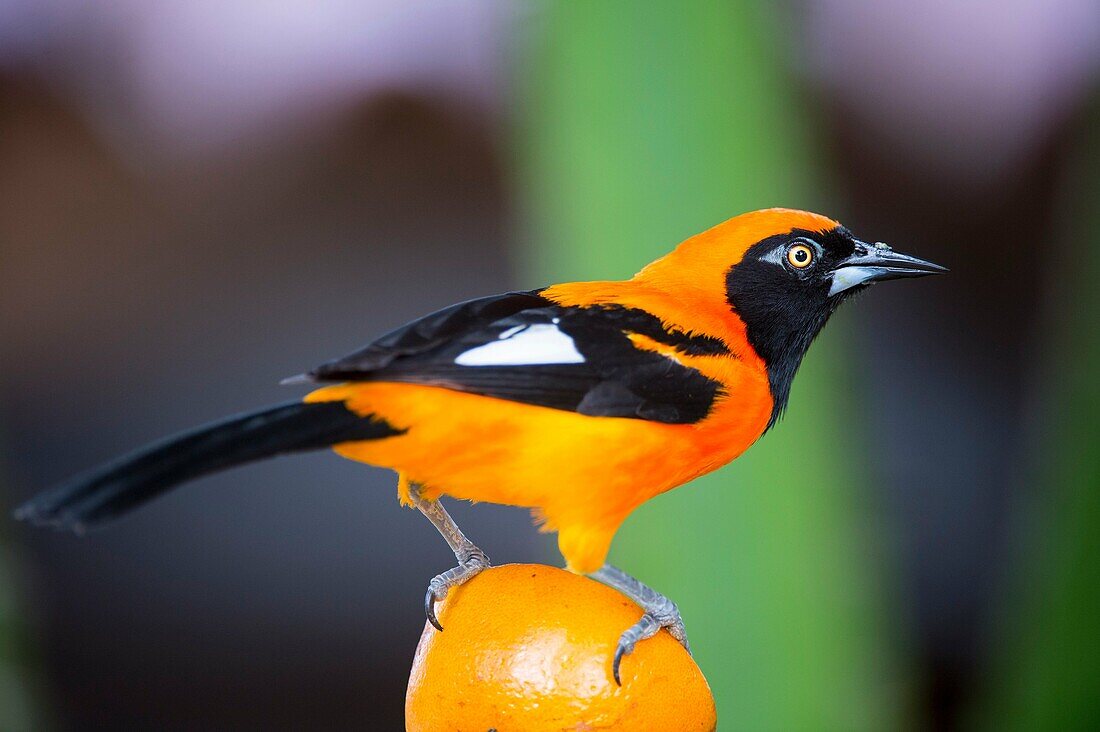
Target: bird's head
{"type": "Point", "coordinates": [781, 273]}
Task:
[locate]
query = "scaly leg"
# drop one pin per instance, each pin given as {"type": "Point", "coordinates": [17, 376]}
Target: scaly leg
{"type": "Point", "coordinates": [660, 612]}
{"type": "Point", "coordinates": [471, 560]}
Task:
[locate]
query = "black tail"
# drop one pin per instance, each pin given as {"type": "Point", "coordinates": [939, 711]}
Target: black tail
{"type": "Point", "coordinates": [133, 479]}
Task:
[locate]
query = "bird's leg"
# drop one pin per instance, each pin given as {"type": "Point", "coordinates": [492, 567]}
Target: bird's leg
{"type": "Point", "coordinates": [660, 612]}
{"type": "Point", "coordinates": [471, 559]}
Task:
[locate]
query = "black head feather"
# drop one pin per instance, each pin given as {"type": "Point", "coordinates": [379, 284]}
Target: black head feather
{"type": "Point", "coordinates": [784, 307]}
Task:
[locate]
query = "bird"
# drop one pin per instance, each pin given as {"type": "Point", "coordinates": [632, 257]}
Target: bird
{"type": "Point", "coordinates": [579, 401]}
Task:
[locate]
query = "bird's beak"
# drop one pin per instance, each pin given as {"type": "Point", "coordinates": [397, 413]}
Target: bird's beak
{"type": "Point", "coordinates": [875, 262]}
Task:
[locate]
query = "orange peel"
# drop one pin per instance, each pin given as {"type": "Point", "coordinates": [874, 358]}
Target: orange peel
{"type": "Point", "coordinates": [529, 647]}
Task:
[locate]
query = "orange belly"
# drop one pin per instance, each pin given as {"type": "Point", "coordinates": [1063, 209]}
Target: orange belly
{"type": "Point", "coordinates": [582, 475]}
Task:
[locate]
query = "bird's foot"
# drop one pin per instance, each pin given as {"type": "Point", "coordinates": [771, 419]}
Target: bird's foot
{"type": "Point", "coordinates": [471, 562]}
{"type": "Point", "coordinates": [659, 612]}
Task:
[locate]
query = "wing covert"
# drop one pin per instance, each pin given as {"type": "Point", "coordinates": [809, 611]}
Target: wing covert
{"type": "Point", "coordinates": [423, 334]}
{"type": "Point", "coordinates": [523, 347]}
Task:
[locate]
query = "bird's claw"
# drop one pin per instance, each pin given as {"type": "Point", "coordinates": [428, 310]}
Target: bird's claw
{"type": "Point", "coordinates": [472, 564]}
{"type": "Point", "coordinates": [429, 607]}
{"type": "Point", "coordinates": [663, 614]}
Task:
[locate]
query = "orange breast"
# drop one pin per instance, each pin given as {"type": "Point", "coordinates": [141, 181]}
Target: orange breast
{"type": "Point", "coordinates": [582, 474]}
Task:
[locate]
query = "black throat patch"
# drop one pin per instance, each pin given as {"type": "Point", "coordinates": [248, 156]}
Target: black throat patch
{"type": "Point", "coordinates": [783, 311]}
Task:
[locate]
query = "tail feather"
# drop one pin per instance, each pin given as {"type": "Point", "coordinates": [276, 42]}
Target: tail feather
{"type": "Point", "coordinates": [124, 484]}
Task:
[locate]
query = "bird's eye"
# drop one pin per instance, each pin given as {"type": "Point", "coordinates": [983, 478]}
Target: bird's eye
{"type": "Point", "coordinates": [800, 256]}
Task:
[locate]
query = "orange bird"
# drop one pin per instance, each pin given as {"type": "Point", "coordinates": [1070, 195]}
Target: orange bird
{"type": "Point", "coordinates": [579, 401]}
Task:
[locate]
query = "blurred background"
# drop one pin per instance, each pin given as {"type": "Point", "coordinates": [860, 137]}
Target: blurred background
{"type": "Point", "coordinates": [200, 198]}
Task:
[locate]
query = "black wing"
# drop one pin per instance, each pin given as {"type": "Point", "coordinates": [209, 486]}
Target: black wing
{"type": "Point", "coordinates": [523, 347]}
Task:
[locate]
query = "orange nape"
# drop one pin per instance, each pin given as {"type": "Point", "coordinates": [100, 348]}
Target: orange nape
{"type": "Point", "coordinates": [530, 647]}
{"type": "Point", "coordinates": [686, 288]}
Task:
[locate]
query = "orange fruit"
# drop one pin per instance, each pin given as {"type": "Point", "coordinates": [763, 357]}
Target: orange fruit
{"type": "Point", "coordinates": [529, 647]}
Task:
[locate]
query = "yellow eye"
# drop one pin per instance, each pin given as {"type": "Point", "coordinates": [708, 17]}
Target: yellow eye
{"type": "Point", "coordinates": [800, 256]}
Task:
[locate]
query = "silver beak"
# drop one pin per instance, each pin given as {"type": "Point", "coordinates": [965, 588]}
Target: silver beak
{"type": "Point", "coordinates": [876, 262]}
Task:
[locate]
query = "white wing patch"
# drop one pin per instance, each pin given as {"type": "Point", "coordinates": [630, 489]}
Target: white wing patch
{"type": "Point", "coordinates": [524, 345]}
